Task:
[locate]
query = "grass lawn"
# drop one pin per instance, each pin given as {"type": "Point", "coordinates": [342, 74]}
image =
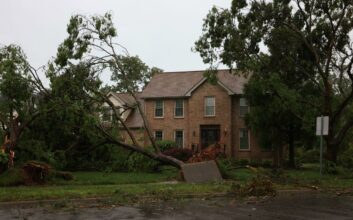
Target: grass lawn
{"type": "Point", "coordinates": [132, 186]}
{"type": "Point", "coordinates": [307, 176]}
{"type": "Point", "coordinates": [117, 186]}
{"type": "Point", "coordinates": [101, 178]}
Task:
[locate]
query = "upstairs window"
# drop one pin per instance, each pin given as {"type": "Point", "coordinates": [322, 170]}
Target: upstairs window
{"type": "Point", "coordinates": [210, 106]}
{"type": "Point", "coordinates": [243, 107]}
{"type": "Point", "coordinates": [179, 108]}
{"type": "Point", "coordinates": [244, 139]}
{"type": "Point", "coordinates": [158, 135]}
{"type": "Point", "coordinates": [107, 114]}
{"type": "Point", "coordinates": [179, 138]}
{"type": "Point", "coordinates": [158, 109]}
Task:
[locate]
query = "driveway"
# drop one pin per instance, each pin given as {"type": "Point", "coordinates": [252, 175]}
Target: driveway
{"type": "Point", "coordinates": [295, 205]}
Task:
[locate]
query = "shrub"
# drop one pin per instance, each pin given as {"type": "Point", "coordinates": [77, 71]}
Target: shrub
{"type": "Point", "coordinates": [13, 177]}
{"type": "Point", "coordinates": [3, 161]}
{"type": "Point", "coordinates": [140, 163]}
{"type": "Point", "coordinates": [332, 168]}
{"type": "Point", "coordinates": [267, 163]}
{"type": "Point", "coordinates": [255, 163]}
{"type": "Point", "coordinates": [243, 162]}
{"type": "Point", "coordinates": [346, 158]}
{"type": "Point", "coordinates": [165, 145]}
{"type": "Point", "coordinates": [309, 156]}
{"type": "Point", "coordinates": [108, 158]}
{"type": "Point", "coordinates": [225, 166]}
{"type": "Point", "coordinates": [182, 154]}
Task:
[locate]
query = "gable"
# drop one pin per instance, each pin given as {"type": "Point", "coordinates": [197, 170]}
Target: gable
{"type": "Point", "coordinates": [208, 88]}
{"type": "Point", "coordinates": [182, 84]}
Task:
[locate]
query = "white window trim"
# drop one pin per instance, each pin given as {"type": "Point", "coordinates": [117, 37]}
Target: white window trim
{"type": "Point", "coordinates": [249, 144]}
{"type": "Point", "coordinates": [247, 105]}
{"type": "Point", "coordinates": [155, 134]}
{"type": "Point", "coordinates": [155, 107]}
{"type": "Point", "coordinates": [183, 136]}
{"type": "Point", "coordinates": [175, 109]}
{"type": "Point", "coordinates": [214, 107]}
{"type": "Point", "coordinates": [106, 108]}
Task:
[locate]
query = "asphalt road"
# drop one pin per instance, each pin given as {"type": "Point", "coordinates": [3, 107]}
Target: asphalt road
{"type": "Point", "coordinates": [297, 205]}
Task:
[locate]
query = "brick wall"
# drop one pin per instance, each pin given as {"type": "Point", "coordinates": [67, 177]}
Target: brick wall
{"type": "Point", "coordinates": [255, 151]}
{"type": "Point", "coordinates": [138, 133]}
{"type": "Point", "coordinates": [226, 116]}
{"type": "Point", "coordinates": [168, 123]}
{"type": "Point", "coordinates": [222, 112]}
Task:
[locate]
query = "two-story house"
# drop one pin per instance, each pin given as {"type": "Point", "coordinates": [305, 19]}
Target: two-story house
{"type": "Point", "coordinates": [186, 108]}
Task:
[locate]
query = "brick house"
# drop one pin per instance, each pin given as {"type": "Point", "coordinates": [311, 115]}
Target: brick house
{"type": "Point", "coordinates": [186, 108]}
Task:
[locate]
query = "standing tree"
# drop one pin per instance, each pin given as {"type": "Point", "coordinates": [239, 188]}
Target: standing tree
{"type": "Point", "coordinates": [306, 44]}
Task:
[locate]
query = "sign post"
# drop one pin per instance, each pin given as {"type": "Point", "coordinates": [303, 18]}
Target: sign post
{"type": "Point", "coordinates": [321, 130]}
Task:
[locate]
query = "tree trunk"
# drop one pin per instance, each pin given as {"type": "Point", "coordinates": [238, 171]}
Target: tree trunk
{"type": "Point", "coordinates": [291, 153]}
{"type": "Point", "coordinates": [331, 152]}
{"type": "Point", "coordinates": [146, 124]}
{"type": "Point", "coordinates": [155, 156]}
{"type": "Point", "coordinates": [277, 156]}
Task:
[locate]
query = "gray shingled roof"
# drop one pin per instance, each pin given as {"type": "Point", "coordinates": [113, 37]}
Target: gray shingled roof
{"type": "Point", "coordinates": [178, 84]}
{"type": "Point", "coordinates": [126, 98]}
{"type": "Point", "coordinates": [134, 120]}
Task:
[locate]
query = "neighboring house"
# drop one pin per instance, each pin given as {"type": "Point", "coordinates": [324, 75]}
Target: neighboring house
{"type": "Point", "coordinates": [186, 108]}
{"type": "Point", "coordinates": [126, 106]}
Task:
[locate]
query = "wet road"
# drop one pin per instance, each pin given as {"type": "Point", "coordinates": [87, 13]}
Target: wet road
{"type": "Point", "coordinates": [298, 205]}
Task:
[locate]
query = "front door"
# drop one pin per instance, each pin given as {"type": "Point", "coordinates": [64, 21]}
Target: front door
{"type": "Point", "coordinates": [209, 135]}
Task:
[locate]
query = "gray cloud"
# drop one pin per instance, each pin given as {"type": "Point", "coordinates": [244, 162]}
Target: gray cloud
{"type": "Point", "coordinates": [161, 32]}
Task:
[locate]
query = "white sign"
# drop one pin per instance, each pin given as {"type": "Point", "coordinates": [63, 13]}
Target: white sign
{"type": "Point", "coordinates": [322, 125]}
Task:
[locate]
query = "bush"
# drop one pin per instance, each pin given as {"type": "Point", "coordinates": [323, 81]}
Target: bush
{"type": "Point", "coordinates": [108, 158]}
{"type": "Point", "coordinates": [255, 163]}
{"type": "Point", "coordinates": [165, 145]}
{"type": "Point", "coordinates": [309, 156]}
{"type": "Point", "coordinates": [13, 177]}
{"type": "Point", "coordinates": [267, 163]}
{"type": "Point", "coordinates": [332, 168]}
{"type": "Point", "coordinates": [34, 150]}
{"type": "Point", "coordinates": [346, 158]}
{"type": "Point", "coordinates": [243, 162]}
{"type": "Point", "coordinates": [182, 154]}
{"type": "Point", "coordinates": [140, 163]}
{"type": "Point", "coordinates": [225, 166]}
{"type": "Point", "coordinates": [3, 161]}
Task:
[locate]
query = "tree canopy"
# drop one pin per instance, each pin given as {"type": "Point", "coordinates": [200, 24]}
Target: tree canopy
{"type": "Point", "coordinates": [307, 45]}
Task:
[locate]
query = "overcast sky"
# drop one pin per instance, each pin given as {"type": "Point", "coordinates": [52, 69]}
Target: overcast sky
{"type": "Point", "coordinates": [161, 32]}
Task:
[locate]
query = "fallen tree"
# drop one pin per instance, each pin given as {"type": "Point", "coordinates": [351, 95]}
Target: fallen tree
{"type": "Point", "coordinates": [89, 36]}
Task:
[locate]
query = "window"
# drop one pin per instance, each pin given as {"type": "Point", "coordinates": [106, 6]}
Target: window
{"type": "Point", "coordinates": [244, 139]}
{"type": "Point", "coordinates": [158, 135]}
{"type": "Point", "coordinates": [107, 114]}
{"type": "Point", "coordinates": [179, 138]}
{"type": "Point", "coordinates": [179, 108]}
{"type": "Point", "coordinates": [158, 108]}
{"type": "Point", "coordinates": [210, 106]}
{"type": "Point", "coordinates": [243, 107]}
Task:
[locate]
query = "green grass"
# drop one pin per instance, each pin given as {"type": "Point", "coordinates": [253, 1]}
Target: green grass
{"type": "Point", "coordinates": [100, 178]}
{"type": "Point", "coordinates": [307, 176]}
{"type": "Point", "coordinates": [124, 187]}
{"type": "Point", "coordinates": [116, 186]}
{"type": "Point", "coordinates": [114, 191]}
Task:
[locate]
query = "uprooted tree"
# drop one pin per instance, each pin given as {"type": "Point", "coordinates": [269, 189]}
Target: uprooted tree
{"type": "Point", "coordinates": [305, 44]}
{"type": "Point", "coordinates": [90, 47]}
